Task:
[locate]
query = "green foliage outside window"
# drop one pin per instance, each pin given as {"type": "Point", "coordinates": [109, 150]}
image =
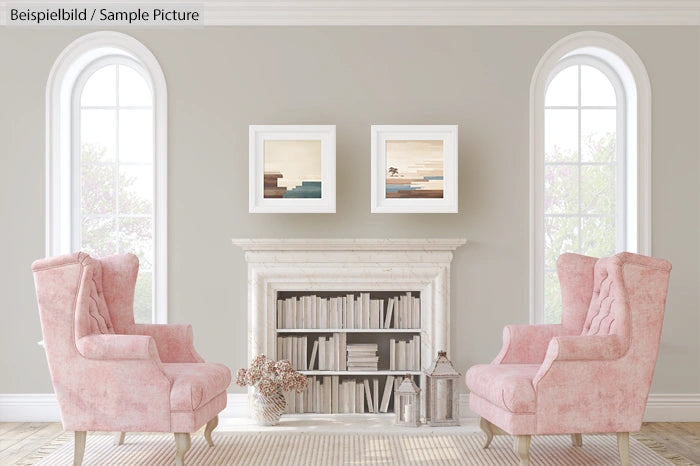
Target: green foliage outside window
{"type": "Point", "coordinates": [114, 218]}
{"type": "Point", "coordinates": [580, 216]}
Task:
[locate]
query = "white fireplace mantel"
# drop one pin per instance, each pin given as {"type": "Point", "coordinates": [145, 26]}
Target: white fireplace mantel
{"type": "Point", "coordinates": [349, 265]}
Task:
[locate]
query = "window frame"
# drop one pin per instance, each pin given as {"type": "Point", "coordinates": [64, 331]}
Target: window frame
{"type": "Point", "coordinates": [618, 58]}
{"type": "Point", "coordinates": [64, 86]}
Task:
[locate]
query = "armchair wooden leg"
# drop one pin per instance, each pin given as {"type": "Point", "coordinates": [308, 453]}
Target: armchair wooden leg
{"type": "Point", "coordinates": [623, 446]}
{"type": "Point", "coordinates": [487, 427]}
{"type": "Point", "coordinates": [182, 442]}
{"type": "Point", "coordinates": [522, 448]}
{"type": "Point", "coordinates": [211, 425]}
{"type": "Point", "coordinates": [119, 438]}
{"type": "Point", "coordinates": [576, 440]}
{"type": "Point", "coordinates": [79, 447]}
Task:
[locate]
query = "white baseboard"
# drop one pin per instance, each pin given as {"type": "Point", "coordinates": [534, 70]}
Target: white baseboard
{"type": "Point", "coordinates": [31, 407]}
{"type": "Point", "coordinates": [673, 408]}
{"type": "Point", "coordinates": [42, 407]}
{"type": "Point", "coordinates": [237, 405]}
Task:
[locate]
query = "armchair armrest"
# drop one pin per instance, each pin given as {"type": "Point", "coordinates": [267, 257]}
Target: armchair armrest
{"type": "Point", "coordinates": [118, 347]}
{"type": "Point", "coordinates": [583, 349]}
{"type": "Point", "coordinates": [526, 344]}
{"type": "Point", "coordinates": [175, 342]}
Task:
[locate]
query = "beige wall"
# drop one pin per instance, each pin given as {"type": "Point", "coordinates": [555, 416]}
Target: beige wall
{"type": "Point", "coordinates": [220, 80]}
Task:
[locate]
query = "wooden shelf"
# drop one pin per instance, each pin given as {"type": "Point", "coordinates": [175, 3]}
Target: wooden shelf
{"type": "Point", "coordinates": [348, 330]}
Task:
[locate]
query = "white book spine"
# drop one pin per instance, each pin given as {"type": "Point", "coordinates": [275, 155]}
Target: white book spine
{"type": "Point", "coordinates": [336, 351]}
{"type": "Point", "coordinates": [329, 354]}
{"type": "Point", "coordinates": [344, 312]}
{"type": "Point", "coordinates": [280, 314]}
{"type": "Point", "coordinates": [352, 396]}
{"type": "Point", "coordinates": [416, 346]}
{"type": "Point", "coordinates": [360, 400]}
{"type": "Point", "coordinates": [416, 313]}
{"type": "Point", "coordinates": [375, 392]}
{"type": "Point", "coordinates": [304, 352]}
{"type": "Point", "coordinates": [368, 396]}
{"type": "Point", "coordinates": [289, 322]}
{"type": "Point", "coordinates": [327, 389]}
{"type": "Point", "coordinates": [388, 388]}
{"type": "Point", "coordinates": [389, 313]}
{"type": "Point", "coordinates": [365, 311]}
{"type": "Point", "coordinates": [314, 351]}
{"type": "Point", "coordinates": [409, 312]}
{"type": "Point", "coordinates": [332, 313]}
{"type": "Point", "coordinates": [392, 354]}
{"type": "Point", "coordinates": [343, 352]}
{"type": "Point", "coordinates": [374, 313]}
{"type": "Point", "coordinates": [401, 352]}
{"type": "Point", "coordinates": [322, 354]}
{"type": "Point", "coordinates": [351, 311]}
{"type": "Point", "coordinates": [334, 394]}
{"type": "Point", "coordinates": [295, 352]}
{"type": "Point", "coordinates": [308, 319]}
{"type": "Point", "coordinates": [381, 313]}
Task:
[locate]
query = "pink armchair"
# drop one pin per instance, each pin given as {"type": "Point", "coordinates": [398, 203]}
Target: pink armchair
{"type": "Point", "coordinates": [592, 372]}
{"type": "Point", "coordinates": [110, 374]}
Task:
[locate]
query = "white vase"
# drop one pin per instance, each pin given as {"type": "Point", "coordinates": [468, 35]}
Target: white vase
{"type": "Point", "coordinates": [266, 410]}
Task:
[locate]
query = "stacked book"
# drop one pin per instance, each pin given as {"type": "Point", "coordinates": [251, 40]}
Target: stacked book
{"type": "Point", "coordinates": [362, 357]}
{"type": "Point", "coordinates": [332, 395]}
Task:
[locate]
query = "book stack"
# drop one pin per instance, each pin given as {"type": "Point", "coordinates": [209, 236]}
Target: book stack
{"type": "Point", "coordinates": [362, 357]}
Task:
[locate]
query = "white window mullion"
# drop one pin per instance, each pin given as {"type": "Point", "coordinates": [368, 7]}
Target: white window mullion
{"type": "Point", "coordinates": [117, 154]}
{"type": "Point", "coordinates": [580, 173]}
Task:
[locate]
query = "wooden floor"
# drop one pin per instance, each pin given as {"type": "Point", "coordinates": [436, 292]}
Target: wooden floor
{"type": "Point", "coordinates": [20, 440]}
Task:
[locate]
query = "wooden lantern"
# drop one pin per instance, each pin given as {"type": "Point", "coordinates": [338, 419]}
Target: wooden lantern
{"type": "Point", "coordinates": [442, 396]}
{"type": "Point", "coordinates": [407, 403]}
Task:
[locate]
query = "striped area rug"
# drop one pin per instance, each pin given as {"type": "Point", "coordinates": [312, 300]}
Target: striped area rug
{"type": "Point", "coordinates": [304, 449]}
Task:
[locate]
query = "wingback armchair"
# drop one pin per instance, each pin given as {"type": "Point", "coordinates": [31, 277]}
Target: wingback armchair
{"type": "Point", "coordinates": [111, 374]}
{"type": "Point", "coordinates": [592, 372]}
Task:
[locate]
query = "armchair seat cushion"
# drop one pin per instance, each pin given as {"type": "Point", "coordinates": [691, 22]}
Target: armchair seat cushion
{"type": "Point", "coordinates": [195, 384]}
{"type": "Point", "coordinates": [508, 386]}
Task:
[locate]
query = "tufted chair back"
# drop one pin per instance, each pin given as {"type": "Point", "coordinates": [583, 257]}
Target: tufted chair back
{"type": "Point", "coordinates": [608, 312]}
{"type": "Point", "coordinates": [91, 312]}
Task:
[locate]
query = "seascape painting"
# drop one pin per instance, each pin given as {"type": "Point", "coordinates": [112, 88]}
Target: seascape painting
{"type": "Point", "coordinates": [415, 169]}
{"type": "Point", "coordinates": [292, 169]}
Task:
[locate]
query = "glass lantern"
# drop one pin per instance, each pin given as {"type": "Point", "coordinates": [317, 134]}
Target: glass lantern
{"type": "Point", "coordinates": [407, 403]}
{"type": "Point", "coordinates": [442, 397]}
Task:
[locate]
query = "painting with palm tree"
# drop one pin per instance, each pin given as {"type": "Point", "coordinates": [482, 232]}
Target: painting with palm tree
{"type": "Point", "coordinates": [415, 169]}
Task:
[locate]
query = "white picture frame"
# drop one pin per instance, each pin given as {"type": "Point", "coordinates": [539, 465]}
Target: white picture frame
{"type": "Point", "coordinates": [428, 156]}
{"type": "Point", "coordinates": [294, 153]}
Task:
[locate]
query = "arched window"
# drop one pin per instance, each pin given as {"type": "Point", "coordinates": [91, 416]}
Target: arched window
{"type": "Point", "coordinates": [589, 100]}
{"type": "Point", "coordinates": [106, 158]}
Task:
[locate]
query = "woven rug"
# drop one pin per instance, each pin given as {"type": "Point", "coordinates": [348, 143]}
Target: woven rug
{"type": "Point", "coordinates": [304, 449]}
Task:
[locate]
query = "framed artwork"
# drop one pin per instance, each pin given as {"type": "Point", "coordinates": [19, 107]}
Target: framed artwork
{"type": "Point", "coordinates": [414, 168]}
{"type": "Point", "coordinates": [292, 168]}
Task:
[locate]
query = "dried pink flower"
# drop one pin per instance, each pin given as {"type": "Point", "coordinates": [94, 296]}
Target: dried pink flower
{"type": "Point", "coordinates": [269, 376]}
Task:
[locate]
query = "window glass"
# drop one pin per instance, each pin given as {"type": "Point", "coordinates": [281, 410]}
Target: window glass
{"type": "Point", "coordinates": [581, 172]}
{"type": "Point", "coordinates": [116, 173]}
